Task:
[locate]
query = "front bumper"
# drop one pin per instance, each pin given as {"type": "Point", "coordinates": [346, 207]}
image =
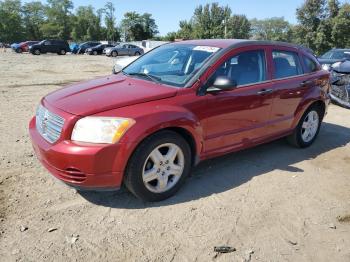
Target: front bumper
{"type": "Point", "coordinates": [84, 166]}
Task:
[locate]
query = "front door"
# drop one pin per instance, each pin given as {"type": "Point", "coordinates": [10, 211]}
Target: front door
{"type": "Point", "coordinates": [239, 118]}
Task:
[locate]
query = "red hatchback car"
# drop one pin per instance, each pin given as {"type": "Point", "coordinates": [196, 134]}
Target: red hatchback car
{"type": "Point", "coordinates": [176, 106]}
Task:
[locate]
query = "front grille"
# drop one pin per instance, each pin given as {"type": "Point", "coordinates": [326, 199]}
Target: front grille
{"type": "Point", "coordinates": [48, 124]}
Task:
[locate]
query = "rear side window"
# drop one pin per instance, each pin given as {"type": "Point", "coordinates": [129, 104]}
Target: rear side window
{"type": "Point", "coordinates": [287, 64]}
{"type": "Point", "coordinates": [310, 65]}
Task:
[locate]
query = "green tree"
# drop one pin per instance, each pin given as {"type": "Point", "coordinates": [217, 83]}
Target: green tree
{"type": "Point", "coordinates": [150, 27]}
{"type": "Point", "coordinates": [341, 25]}
{"type": "Point", "coordinates": [186, 30]}
{"type": "Point", "coordinates": [59, 19]}
{"type": "Point", "coordinates": [136, 27]}
{"type": "Point", "coordinates": [273, 29]}
{"type": "Point", "coordinates": [87, 25]}
{"type": "Point", "coordinates": [310, 15]}
{"type": "Point", "coordinates": [333, 8]}
{"type": "Point", "coordinates": [238, 26]}
{"type": "Point", "coordinates": [111, 30]}
{"type": "Point", "coordinates": [209, 21]}
{"type": "Point", "coordinates": [11, 27]}
{"type": "Point", "coordinates": [33, 18]}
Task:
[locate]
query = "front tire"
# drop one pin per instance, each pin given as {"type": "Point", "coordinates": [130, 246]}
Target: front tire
{"type": "Point", "coordinates": [114, 54]}
{"type": "Point", "coordinates": [308, 128]}
{"type": "Point", "coordinates": [158, 167]}
{"type": "Point", "coordinates": [36, 52]}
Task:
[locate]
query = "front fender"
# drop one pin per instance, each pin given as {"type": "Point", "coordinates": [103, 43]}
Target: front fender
{"type": "Point", "coordinates": [153, 118]}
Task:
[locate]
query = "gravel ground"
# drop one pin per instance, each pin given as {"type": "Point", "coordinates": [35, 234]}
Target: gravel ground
{"type": "Point", "coordinates": [271, 203]}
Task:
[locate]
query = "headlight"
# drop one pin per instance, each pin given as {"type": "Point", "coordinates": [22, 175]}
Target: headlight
{"type": "Point", "coordinates": [326, 67]}
{"type": "Point", "coordinates": [101, 130]}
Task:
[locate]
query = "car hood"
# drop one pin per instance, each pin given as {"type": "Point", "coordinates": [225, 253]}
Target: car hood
{"type": "Point", "coordinates": [107, 93]}
{"type": "Point", "coordinates": [328, 61]}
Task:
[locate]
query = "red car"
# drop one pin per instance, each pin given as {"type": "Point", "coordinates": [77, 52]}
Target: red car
{"type": "Point", "coordinates": [24, 46]}
{"type": "Point", "coordinates": [176, 106]}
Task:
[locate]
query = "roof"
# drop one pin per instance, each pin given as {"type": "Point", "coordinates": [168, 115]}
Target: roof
{"type": "Point", "coordinates": [226, 43]}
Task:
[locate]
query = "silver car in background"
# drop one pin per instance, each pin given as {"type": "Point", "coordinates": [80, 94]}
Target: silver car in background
{"type": "Point", "coordinates": [124, 50]}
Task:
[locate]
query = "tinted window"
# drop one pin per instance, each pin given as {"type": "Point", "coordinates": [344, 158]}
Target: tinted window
{"type": "Point", "coordinates": [245, 68]}
{"type": "Point", "coordinates": [286, 64]}
{"type": "Point", "coordinates": [310, 65]}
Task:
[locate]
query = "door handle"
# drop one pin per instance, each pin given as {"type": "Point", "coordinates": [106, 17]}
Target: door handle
{"type": "Point", "coordinates": [306, 83]}
{"type": "Point", "coordinates": [265, 92]}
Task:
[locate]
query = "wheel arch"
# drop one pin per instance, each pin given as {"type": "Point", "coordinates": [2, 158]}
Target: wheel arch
{"type": "Point", "coordinates": [305, 106]}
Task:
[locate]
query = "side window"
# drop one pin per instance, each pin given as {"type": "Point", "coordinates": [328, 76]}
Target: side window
{"type": "Point", "coordinates": [47, 43]}
{"type": "Point", "coordinates": [286, 64]}
{"type": "Point", "coordinates": [245, 68]}
{"type": "Point", "coordinates": [310, 65]}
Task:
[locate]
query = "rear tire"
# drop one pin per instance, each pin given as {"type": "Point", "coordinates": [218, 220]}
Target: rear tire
{"type": "Point", "coordinates": [114, 53]}
{"type": "Point", "coordinates": [94, 52]}
{"type": "Point", "coordinates": [19, 50]}
{"type": "Point", "coordinates": [307, 129]}
{"type": "Point", "coordinates": [137, 54]}
{"type": "Point", "coordinates": [158, 167]}
{"type": "Point", "coordinates": [62, 52]}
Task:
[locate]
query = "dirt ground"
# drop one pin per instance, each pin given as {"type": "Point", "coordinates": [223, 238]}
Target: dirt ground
{"type": "Point", "coordinates": [271, 203]}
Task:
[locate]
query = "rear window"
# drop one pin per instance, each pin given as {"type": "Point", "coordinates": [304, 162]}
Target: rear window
{"type": "Point", "coordinates": [310, 65]}
{"type": "Point", "coordinates": [287, 64]}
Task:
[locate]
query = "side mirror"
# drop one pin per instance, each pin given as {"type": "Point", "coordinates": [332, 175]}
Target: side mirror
{"type": "Point", "coordinates": [117, 69]}
{"type": "Point", "coordinates": [222, 83]}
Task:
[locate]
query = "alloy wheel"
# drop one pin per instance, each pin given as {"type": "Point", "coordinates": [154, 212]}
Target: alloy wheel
{"type": "Point", "coordinates": [310, 126]}
{"type": "Point", "coordinates": [163, 168]}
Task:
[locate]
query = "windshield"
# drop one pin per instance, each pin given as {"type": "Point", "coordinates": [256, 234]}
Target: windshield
{"type": "Point", "coordinates": [337, 55]}
{"type": "Point", "coordinates": [172, 64]}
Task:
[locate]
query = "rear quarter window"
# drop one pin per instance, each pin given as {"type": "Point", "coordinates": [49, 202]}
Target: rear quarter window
{"type": "Point", "coordinates": [310, 65]}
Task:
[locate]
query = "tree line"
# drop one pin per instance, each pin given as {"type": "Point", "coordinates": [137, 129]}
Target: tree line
{"type": "Point", "coordinates": [322, 24]}
{"type": "Point", "coordinates": [56, 19]}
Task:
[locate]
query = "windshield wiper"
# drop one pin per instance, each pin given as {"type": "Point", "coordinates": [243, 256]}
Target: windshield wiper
{"type": "Point", "coordinates": [151, 77]}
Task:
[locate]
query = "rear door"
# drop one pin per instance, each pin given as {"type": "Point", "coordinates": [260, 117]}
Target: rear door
{"type": "Point", "coordinates": [290, 83]}
{"type": "Point", "coordinates": [124, 50]}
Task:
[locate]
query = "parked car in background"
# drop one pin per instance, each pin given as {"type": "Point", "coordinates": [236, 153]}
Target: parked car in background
{"type": "Point", "coordinates": [59, 47]}
{"type": "Point", "coordinates": [98, 50]}
{"type": "Point", "coordinates": [74, 47]}
{"type": "Point", "coordinates": [13, 46]}
{"type": "Point", "coordinates": [177, 105]}
{"type": "Point", "coordinates": [333, 56]}
{"type": "Point", "coordinates": [340, 78]}
{"type": "Point", "coordinates": [82, 47]}
{"type": "Point", "coordinates": [122, 62]}
{"type": "Point", "coordinates": [24, 46]}
{"type": "Point", "coordinates": [124, 49]}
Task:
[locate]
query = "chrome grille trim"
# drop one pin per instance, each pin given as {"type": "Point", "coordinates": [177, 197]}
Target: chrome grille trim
{"type": "Point", "coordinates": [48, 124]}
